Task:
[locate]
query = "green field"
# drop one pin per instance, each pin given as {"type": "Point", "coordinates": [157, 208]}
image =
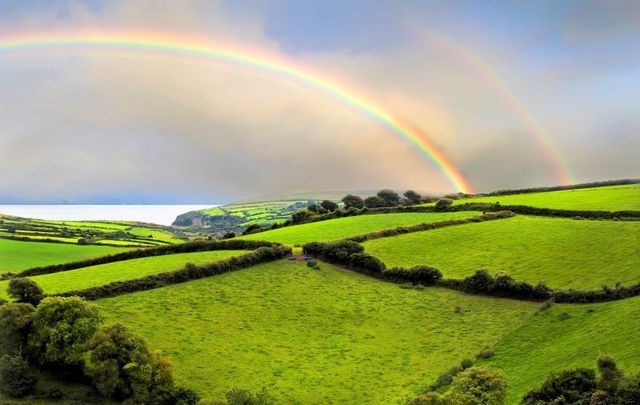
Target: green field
{"type": "Point", "coordinates": [102, 274]}
{"type": "Point", "coordinates": [16, 256]}
{"type": "Point", "coordinates": [313, 336]}
{"type": "Point", "coordinates": [546, 343]}
{"type": "Point", "coordinates": [340, 228]}
{"type": "Point", "coordinates": [564, 253]}
{"type": "Point", "coordinates": [610, 198]}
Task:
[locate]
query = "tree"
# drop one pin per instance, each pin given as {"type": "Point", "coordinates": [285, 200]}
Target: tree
{"type": "Point", "coordinates": [374, 202]}
{"type": "Point", "coordinates": [390, 197]}
{"type": "Point", "coordinates": [16, 379]}
{"type": "Point", "coordinates": [15, 323]}
{"type": "Point", "coordinates": [352, 201]}
{"type": "Point", "coordinates": [25, 290]}
{"type": "Point", "coordinates": [478, 386]}
{"type": "Point", "coordinates": [412, 196]}
{"type": "Point", "coordinates": [112, 352]}
{"type": "Point", "coordinates": [62, 326]}
{"type": "Point", "coordinates": [329, 205]}
{"type": "Point", "coordinates": [569, 386]}
{"type": "Point", "coordinates": [443, 203]}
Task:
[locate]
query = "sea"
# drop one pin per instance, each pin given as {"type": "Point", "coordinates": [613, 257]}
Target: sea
{"type": "Point", "coordinates": [156, 214]}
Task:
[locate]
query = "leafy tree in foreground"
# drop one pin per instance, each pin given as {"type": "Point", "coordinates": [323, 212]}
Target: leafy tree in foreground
{"type": "Point", "coordinates": [15, 323]}
{"type": "Point", "coordinates": [329, 205]}
{"type": "Point", "coordinates": [25, 290]}
{"type": "Point", "coordinates": [478, 386]}
{"type": "Point", "coordinates": [390, 197]}
{"type": "Point", "coordinates": [412, 196]}
{"type": "Point", "coordinates": [16, 379]}
{"type": "Point", "coordinates": [62, 326]}
{"type": "Point", "coordinates": [352, 201]}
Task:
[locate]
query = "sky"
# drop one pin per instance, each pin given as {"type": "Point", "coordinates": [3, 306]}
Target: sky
{"type": "Point", "coordinates": [514, 93]}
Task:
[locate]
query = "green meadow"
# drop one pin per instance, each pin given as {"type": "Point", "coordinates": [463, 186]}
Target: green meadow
{"type": "Point", "coordinates": [340, 228]}
{"type": "Point", "coordinates": [610, 198]}
{"type": "Point", "coordinates": [94, 276]}
{"type": "Point", "coordinates": [564, 253]}
{"type": "Point", "coordinates": [313, 336]}
{"type": "Point", "coordinates": [552, 342]}
{"type": "Point", "coordinates": [16, 256]}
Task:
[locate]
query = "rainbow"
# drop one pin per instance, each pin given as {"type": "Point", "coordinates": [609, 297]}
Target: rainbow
{"type": "Point", "coordinates": [198, 48]}
{"type": "Point", "coordinates": [559, 166]}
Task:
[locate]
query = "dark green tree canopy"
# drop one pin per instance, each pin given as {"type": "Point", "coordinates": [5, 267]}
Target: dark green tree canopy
{"type": "Point", "coordinates": [25, 290]}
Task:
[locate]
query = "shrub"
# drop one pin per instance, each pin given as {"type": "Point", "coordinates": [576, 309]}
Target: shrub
{"type": "Point", "coordinates": [15, 323]}
{"type": "Point", "coordinates": [364, 261]}
{"type": "Point", "coordinates": [485, 353]}
{"type": "Point", "coordinates": [352, 201]}
{"type": "Point", "coordinates": [229, 235]}
{"type": "Point", "coordinates": [238, 396]}
{"type": "Point", "coordinates": [442, 204]}
{"type": "Point", "coordinates": [569, 386]}
{"type": "Point", "coordinates": [374, 202]}
{"type": "Point", "coordinates": [479, 282]}
{"type": "Point", "coordinates": [253, 228]}
{"type": "Point", "coordinates": [412, 196]}
{"type": "Point", "coordinates": [25, 290]}
{"type": "Point", "coordinates": [61, 329]}
{"type": "Point", "coordinates": [313, 264]}
{"type": "Point", "coordinates": [628, 392]}
{"type": "Point", "coordinates": [429, 398]}
{"type": "Point", "coordinates": [329, 205]}
{"type": "Point", "coordinates": [609, 374]}
{"type": "Point", "coordinates": [478, 385]}
{"type": "Point", "coordinates": [180, 396]}
{"type": "Point", "coordinates": [390, 197]}
{"type": "Point", "coordinates": [16, 379]}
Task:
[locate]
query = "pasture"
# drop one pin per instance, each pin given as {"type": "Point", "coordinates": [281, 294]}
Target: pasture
{"type": "Point", "coordinates": [94, 276]}
{"type": "Point", "coordinates": [609, 198]}
{"type": "Point", "coordinates": [340, 228]}
{"type": "Point", "coordinates": [313, 336]}
{"type": "Point", "coordinates": [552, 342]}
{"type": "Point", "coordinates": [564, 253]}
{"type": "Point", "coordinates": [16, 256]}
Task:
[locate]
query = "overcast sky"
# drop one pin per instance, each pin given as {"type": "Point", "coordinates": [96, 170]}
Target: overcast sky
{"type": "Point", "coordinates": [106, 125]}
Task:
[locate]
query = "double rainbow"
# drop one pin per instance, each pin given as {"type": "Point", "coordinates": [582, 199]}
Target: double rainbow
{"type": "Point", "coordinates": [195, 48]}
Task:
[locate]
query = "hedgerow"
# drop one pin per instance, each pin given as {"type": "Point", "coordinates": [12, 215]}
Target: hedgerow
{"type": "Point", "coordinates": [188, 247]}
{"type": "Point", "coordinates": [188, 273]}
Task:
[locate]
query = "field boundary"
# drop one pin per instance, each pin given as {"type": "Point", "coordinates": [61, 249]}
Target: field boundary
{"type": "Point", "coordinates": [188, 273]}
{"type": "Point", "coordinates": [188, 247]}
{"type": "Point", "coordinates": [350, 255]}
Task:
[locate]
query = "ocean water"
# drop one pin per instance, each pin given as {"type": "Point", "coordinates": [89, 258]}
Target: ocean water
{"type": "Point", "coordinates": [157, 214]}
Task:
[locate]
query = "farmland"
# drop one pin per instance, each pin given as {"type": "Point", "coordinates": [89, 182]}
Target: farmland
{"type": "Point", "coordinates": [559, 252]}
{"type": "Point", "coordinates": [341, 228]}
{"type": "Point", "coordinates": [94, 276]}
{"type": "Point", "coordinates": [610, 198]}
{"type": "Point", "coordinates": [20, 255]}
{"type": "Point", "coordinates": [313, 336]}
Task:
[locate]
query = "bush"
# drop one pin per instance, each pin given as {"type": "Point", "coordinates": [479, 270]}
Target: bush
{"type": "Point", "coordinates": [443, 204]}
{"type": "Point", "coordinates": [609, 374]}
{"type": "Point", "coordinates": [16, 379]}
{"type": "Point", "coordinates": [569, 386]}
{"type": "Point", "coordinates": [418, 274]}
{"type": "Point", "coordinates": [15, 324]}
{"type": "Point", "coordinates": [25, 290]}
{"type": "Point", "coordinates": [364, 261]}
{"type": "Point", "coordinates": [628, 392]}
{"type": "Point", "coordinates": [485, 353]}
{"type": "Point", "coordinates": [229, 235]}
{"type": "Point", "coordinates": [412, 196]}
{"type": "Point", "coordinates": [390, 197]}
{"type": "Point", "coordinates": [429, 398]}
{"type": "Point", "coordinates": [374, 202]}
{"type": "Point", "coordinates": [328, 205]}
{"type": "Point", "coordinates": [478, 385]}
{"type": "Point", "coordinates": [352, 201]}
{"type": "Point", "coordinates": [61, 329]}
{"type": "Point", "coordinates": [238, 396]}
{"type": "Point", "coordinates": [313, 264]}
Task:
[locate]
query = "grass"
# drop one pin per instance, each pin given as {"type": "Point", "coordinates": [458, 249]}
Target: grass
{"type": "Point", "coordinates": [611, 198]}
{"type": "Point", "coordinates": [312, 336]}
{"type": "Point", "coordinates": [16, 256]}
{"type": "Point", "coordinates": [547, 344]}
{"type": "Point", "coordinates": [102, 274]}
{"type": "Point", "coordinates": [340, 228]}
{"type": "Point", "coordinates": [564, 253]}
